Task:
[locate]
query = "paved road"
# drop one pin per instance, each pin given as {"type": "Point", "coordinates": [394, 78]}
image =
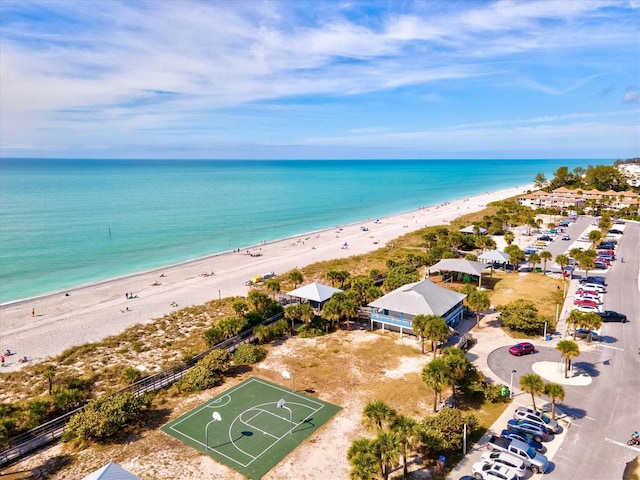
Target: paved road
{"type": "Point", "coordinates": [607, 412]}
{"type": "Point", "coordinates": [604, 413]}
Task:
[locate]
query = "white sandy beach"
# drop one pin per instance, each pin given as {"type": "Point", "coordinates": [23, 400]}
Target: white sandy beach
{"type": "Point", "coordinates": [45, 326]}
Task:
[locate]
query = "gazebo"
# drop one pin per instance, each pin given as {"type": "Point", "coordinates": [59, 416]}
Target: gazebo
{"type": "Point", "coordinates": [461, 266]}
{"type": "Point", "coordinates": [111, 471]}
{"type": "Point", "coordinates": [472, 229]}
{"type": "Point", "coordinates": [315, 293]}
{"type": "Point", "coordinates": [494, 256]}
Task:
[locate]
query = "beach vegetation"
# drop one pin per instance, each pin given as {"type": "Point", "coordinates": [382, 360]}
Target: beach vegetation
{"type": "Point", "coordinates": [105, 417]}
{"type": "Point", "coordinates": [273, 286]}
{"type": "Point", "coordinates": [478, 301]}
{"type": "Point", "coordinates": [400, 275]}
{"type": "Point", "coordinates": [249, 354]}
{"type": "Point", "coordinates": [363, 460]}
{"type": "Point", "coordinates": [208, 372]}
{"type": "Point", "coordinates": [522, 315]}
{"type": "Point", "coordinates": [338, 276]}
{"type": "Point", "coordinates": [296, 277]}
{"type": "Point", "coordinates": [240, 307]}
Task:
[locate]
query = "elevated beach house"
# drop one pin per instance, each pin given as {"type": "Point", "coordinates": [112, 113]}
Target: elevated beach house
{"type": "Point", "coordinates": [397, 309]}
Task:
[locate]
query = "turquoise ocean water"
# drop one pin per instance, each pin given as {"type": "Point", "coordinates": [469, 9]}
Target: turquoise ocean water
{"type": "Point", "coordinates": [65, 223]}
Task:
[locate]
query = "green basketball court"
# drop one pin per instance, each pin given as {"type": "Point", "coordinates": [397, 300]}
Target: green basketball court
{"type": "Point", "coordinates": [252, 426]}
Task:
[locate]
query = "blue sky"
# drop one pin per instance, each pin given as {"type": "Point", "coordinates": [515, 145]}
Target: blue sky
{"type": "Point", "coordinates": [320, 79]}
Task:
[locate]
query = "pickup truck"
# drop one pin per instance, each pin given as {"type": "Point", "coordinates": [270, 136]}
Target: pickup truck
{"type": "Point", "coordinates": [537, 462]}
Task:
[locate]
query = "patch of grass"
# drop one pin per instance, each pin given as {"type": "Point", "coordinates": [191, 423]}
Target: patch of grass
{"type": "Point", "coordinates": [536, 287]}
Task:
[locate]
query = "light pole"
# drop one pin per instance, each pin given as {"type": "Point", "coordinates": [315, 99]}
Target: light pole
{"type": "Point", "coordinates": [215, 418]}
{"type": "Point", "coordinates": [511, 385]}
{"type": "Point", "coordinates": [281, 404]}
{"type": "Point", "coordinates": [288, 375]}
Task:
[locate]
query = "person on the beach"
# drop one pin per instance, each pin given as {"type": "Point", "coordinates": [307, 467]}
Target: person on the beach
{"type": "Point", "coordinates": [33, 312]}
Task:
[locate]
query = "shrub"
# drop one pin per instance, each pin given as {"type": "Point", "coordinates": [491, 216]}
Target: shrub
{"type": "Point", "coordinates": [207, 373]}
{"type": "Point", "coordinates": [104, 417]}
{"type": "Point", "coordinates": [248, 354]}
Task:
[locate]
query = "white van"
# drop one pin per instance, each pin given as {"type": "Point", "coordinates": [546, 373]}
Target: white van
{"type": "Point", "coordinates": [593, 286]}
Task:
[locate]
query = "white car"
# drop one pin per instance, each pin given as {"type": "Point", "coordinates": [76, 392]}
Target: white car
{"type": "Point", "coordinates": [492, 471]}
{"type": "Point", "coordinates": [586, 296]}
{"type": "Point", "coordinates": [506, 459]}
{"type": "Point", "coordinates": [587, 308]}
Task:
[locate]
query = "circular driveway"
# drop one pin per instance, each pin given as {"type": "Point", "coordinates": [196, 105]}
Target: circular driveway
{"type": "Point", "coordinates": [548, 364]}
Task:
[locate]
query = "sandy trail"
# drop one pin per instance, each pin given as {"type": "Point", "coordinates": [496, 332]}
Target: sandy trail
{"type": "Point", "coordinates": [91, 313]}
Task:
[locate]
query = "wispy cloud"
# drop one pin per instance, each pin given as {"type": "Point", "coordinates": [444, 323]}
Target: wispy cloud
{"type": "Point", "coordinates": [73, 75]}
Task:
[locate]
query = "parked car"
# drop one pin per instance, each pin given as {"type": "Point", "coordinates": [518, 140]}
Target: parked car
{"type": "Point", "coordinates": [522, 348]}
{"type": "Point", "coordinates": [566, 237]}
{"type": "Point", "coordinates": [524, 438]}
{"type": "Point", "coordinates": [597, 299]}
{"type": "Point", "coordinates": [525, 413]}
{"type": "Point", "coordinates": [611, 316]}
{"type": "Point", "coordinates": [593, 286]}
{"type": "Point", "coordinates": [584, 333]}
{"type": "Point", "coordinates": [586, 308]}
{"type": "Point", "coordinates": [583, 302]}
{"type": "Point", "coordinates": [616, 231]}
{"type": "Point", "coordinates": [545, 238]}
{"type": "Point", "coordinates": [538, 432]}
{"type": "Point", "coordinates": [492, 471]}
{"type": "Point", "coordinates": [595, 279]}
{"type": "Point", "coordinates": [598, 265]}
{"type": "Point", "coordinates": [607, 245]}
{"type": "Point", "coordinates": [537, 462]}
{"type": "Point", "coordinates": [506, 459]}
{"type": "Point", "coordinates": [583, 291]}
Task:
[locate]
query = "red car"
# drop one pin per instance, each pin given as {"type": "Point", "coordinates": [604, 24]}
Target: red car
{"type": "Point", "coordinates": [582, 302]}
{"type": "Point", "coordinates": [522, 348]}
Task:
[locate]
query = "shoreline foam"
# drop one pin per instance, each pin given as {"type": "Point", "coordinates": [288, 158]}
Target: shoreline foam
{"type": "Point", "coordinates": [93, 312]}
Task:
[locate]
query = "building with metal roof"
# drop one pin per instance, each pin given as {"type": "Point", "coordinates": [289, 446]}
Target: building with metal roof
{"type": "Point", "coordinates": [398, 308]}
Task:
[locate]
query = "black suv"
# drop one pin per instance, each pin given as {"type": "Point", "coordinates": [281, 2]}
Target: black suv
{"type": "Point", "coordinates": [611, 316]}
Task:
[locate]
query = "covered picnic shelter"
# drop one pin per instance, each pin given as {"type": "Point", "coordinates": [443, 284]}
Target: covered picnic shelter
{"type": "Point", "coordinates": [462, 266]}
{"type": "Point", "coordinates": [315, 293]}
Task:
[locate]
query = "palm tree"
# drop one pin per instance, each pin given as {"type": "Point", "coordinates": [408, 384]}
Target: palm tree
{"type": "Point", "coordinates": [296, 277]}
{"type": "Point", "coordinates": [49, 374]}
{"type": "Point", "coordinates": [509, 237]}
{"type": "Point", "coordinates": [332, 311]}
{"type": "Point", "coordinates": [437, 330]}
{"type": "Point", "coordinates": [406, 429]}
{"type": "Point", "coordinates": [376, 413]}
{"type": "Point", "coordinates": [349, 310]}
{"type": "Point", "coordinates": [419, 327]}
{"type": "Point", "coordinates": [562, 260]}
{"type": "Point", "coordinates": [594, 237]}
{"type": "Point", "coordinates": [273, 286]}
{"type": "Point", "coordinates": [545, 255]}
{"type": "Point", "coordinates": [575, 320]}
{"type": "Point", "coordinates": [306, 313]}
{"type": "Point", "coordinates": [434, 375]}
{"type": "Point", "coordinates": [292, 312]}
{"type": "Point", "coordinates": [457, 365]}
{"type": "Point", "coordinates": [389, 448]}
{"type": "Point", "coordinates": [555, 392]}
{"type": "Point", "coordinates": [534, 259]}
{"type": "Point", "coordinates": [533, 384]}
{"type": "Point", "coordinates": [478, 301]}
{"type": "Point", "coordinates": [363, 458]}
{"type": "Point", "coordinates": [240, 307]}
{"type": "Point", "coordinates": [568, 349]}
